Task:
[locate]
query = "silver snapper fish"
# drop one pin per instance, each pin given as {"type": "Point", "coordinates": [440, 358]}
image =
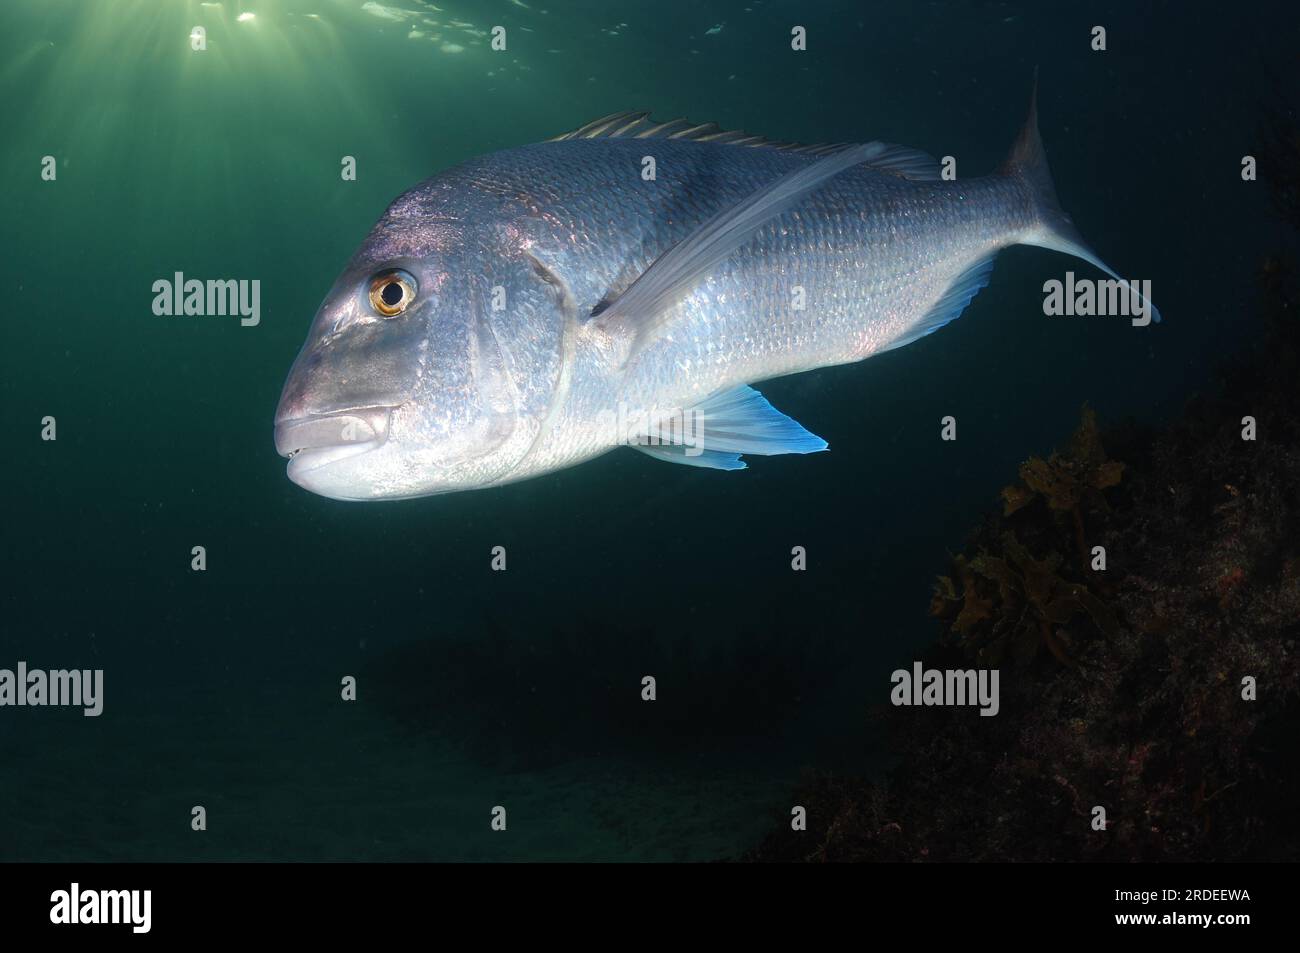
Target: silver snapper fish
{"type": "Point", "coordinates": [537, 307]}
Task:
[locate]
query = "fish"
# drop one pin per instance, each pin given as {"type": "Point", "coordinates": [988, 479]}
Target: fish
{"type": "Point", "coordinates": [625, 285]}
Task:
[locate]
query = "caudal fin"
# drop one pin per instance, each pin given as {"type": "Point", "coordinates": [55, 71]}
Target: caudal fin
{"type": "Point", "coordinates": [1056, 230]}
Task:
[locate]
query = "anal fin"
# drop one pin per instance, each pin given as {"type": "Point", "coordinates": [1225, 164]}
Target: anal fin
{"type": "Point", "coordinates": [951, 303]}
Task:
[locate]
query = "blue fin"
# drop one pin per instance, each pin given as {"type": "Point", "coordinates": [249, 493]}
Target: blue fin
{"type": "Point", "coordinates": [707, 458]}
{"type": "Point", "coordinates": [951, 303]}
{"type": "Point", "coordinates": [728, 424]}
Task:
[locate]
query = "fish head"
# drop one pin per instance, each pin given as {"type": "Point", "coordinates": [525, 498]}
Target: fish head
{"type": "Point", "coordinates": [432, 364]}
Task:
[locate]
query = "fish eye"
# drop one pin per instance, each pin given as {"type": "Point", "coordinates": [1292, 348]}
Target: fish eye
{"type": "Point", "coordinates": [391, 292]}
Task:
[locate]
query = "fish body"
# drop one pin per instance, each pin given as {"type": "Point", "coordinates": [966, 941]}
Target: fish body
{"type": "Point", "coordinates": [559, 302]}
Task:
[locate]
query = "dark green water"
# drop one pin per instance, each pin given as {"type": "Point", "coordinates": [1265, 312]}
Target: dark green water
{"type": "Point", "coordinates": [521, 688]}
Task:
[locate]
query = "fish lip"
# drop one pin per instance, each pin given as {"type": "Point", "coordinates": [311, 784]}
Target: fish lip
{"type": "Point", "coordinates": [316, 440]}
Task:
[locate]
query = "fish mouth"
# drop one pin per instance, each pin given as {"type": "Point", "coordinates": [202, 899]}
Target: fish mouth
{"type": "Point", "coordinates": [318, 440]}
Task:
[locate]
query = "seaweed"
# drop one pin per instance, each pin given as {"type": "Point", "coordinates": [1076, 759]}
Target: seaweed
{"type": "Point", "coordinates": [1005, 603]}
{"type": "Point", "coordinates": [1068, 483]}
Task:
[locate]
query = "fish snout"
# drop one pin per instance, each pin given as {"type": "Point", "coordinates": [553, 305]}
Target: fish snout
{"type": "Point", "coordinates": [337, 434]}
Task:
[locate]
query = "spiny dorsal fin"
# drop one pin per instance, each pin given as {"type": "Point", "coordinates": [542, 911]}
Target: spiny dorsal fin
{"type": "Point", "coordinates": [897, 160]}
{"type": "Point", "coordinates": [639, 125]}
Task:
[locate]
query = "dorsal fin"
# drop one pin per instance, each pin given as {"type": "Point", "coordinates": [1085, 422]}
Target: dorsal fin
{"type": "Point", "coordinates": [897, 160]}
{"type": "Point", "coordinates": [639, 125]}
{"type": "Point", "coordinates": [907, 162]}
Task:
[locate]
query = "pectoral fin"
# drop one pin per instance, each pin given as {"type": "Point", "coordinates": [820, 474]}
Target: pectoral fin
{"type": "Point", "coordinates": [642, 310]}
{"type": "Point", "coordinates": [717, 431]}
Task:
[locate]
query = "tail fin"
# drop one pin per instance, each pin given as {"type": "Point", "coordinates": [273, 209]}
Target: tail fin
{"type": "Point", "coordinates": [1028, 162]}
